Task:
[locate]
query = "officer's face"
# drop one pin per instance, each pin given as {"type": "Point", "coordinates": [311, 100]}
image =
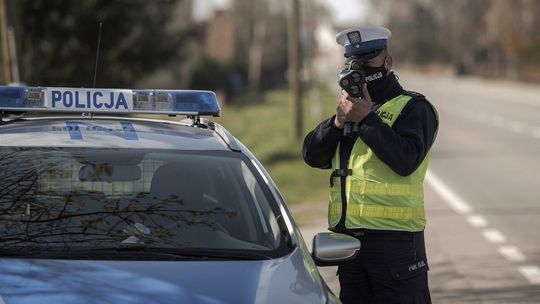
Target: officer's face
{"type": "Point", "coordinates": [382, 59]}
{"type": "Point", "coordinates": [378, 60]}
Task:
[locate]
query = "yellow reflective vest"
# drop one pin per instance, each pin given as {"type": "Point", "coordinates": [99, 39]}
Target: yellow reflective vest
{"type": "Point", "coordinates": [377, 197]}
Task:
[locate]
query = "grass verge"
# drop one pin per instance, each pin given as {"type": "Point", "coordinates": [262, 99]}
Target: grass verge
{"type": "Point", "coordinates": [266, 127]}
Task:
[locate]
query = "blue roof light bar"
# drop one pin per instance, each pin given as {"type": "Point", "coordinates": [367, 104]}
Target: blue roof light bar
{"type": "Point", "coordinates": [117, 101]}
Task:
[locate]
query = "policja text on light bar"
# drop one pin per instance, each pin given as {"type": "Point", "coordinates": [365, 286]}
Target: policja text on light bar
{"type": "Point", "coordinates": [118, 101]}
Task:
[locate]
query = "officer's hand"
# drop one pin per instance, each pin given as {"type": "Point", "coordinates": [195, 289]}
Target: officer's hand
{"type": "Point", "coordinates": [351, 108]}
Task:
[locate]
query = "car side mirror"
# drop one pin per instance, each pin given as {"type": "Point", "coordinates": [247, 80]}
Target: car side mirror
{"type": "Point", "coordinates": [330, 249]}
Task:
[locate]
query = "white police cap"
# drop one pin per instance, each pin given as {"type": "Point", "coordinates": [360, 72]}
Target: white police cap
{"type": "Point", "coordinates": [363, 40]}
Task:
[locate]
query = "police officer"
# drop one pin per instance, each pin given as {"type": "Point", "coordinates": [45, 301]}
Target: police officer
{"type": "Point", "coordinates": [376, 184]}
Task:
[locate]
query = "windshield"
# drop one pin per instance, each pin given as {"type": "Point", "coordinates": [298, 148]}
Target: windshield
{"type": "Point", "coordinates": [69, 200]}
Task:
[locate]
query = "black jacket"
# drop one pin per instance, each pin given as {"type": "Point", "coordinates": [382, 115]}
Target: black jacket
{"type": "Point", "coordinates": [402, 147]}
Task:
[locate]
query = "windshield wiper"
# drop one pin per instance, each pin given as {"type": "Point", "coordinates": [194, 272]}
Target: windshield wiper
{"type": "Point", "coordinates": [226, 254]}
{"type": "Point", "coordinates": [209, 254]}
{"type": "Point", "coordinates": [28, 252]}
{"type": "Point", "coordinates": [134, 251]}
{"type": "Point", "coordinates": [13, 252]}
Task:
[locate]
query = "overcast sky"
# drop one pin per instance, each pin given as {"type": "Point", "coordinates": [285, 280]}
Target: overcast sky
{"type": "Point", "coordinates": [344, 11]}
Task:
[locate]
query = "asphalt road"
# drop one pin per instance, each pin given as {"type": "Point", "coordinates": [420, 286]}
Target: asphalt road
{"type": "Point", "coordinates": [482, 191]}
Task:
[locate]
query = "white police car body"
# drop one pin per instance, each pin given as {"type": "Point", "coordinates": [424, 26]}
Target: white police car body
{"type": "Point", "coordinates": [97, 209]}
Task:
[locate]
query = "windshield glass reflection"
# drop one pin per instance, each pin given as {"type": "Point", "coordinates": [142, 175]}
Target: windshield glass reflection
{"type": "Point", "coordinates": [60, 199]}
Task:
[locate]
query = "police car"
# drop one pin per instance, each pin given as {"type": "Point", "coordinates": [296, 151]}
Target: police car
{"type": "Point", "coordinates": [99, 206]}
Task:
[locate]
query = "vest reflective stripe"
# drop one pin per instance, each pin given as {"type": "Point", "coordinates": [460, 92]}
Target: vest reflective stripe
{"type": "Point", "coordinates": [404, 213]}
{"type": "Point", "coordinates": [387, 189]}
{"type": "Point", "coordinates": [415, 192]}
{"type": "Point", "coordinates": [377, 197]}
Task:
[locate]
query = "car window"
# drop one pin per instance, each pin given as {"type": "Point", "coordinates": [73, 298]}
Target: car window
{"type": "Point", "coordinates": [69, 199]}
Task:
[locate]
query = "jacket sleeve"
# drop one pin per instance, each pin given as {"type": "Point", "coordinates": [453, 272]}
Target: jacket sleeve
{"type": "Point", "coordinates": [320, 144]}
{"type": "Point", "coordinates": [403, 146]}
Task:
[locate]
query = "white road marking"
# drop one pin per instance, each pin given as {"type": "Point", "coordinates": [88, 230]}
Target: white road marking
{"type": "Point", "coordinates": [452, 199]}
{"type": "Point", "coordinates": [532, 273]}
{"type": "Point", "coordinates": [512, 253]}
{"type": "Point", "coordinates": [477, 221]}
{"type": "Point", "coordinates": [494, 236]}
{"type": "Point", "coordinates": [2, 301]}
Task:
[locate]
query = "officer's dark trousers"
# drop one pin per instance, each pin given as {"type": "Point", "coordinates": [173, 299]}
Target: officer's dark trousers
{"type": "Point", "coordinates": [391, 267]}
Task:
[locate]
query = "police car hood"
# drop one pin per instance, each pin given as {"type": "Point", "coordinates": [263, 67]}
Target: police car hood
{"type": "Point", "coordinates": [284, 280]}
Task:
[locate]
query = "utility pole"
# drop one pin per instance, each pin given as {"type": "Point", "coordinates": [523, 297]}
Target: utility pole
{"type": "Point", "coordinates": [255, 56]}
{"type": "Point", "coordinates": [13, 60]}
{"type": "Point", "coordinates": [5, 64]}
{"type": "Point", "coordinates": [294, 66]}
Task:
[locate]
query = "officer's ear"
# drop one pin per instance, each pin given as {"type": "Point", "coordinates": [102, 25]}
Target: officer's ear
{"type": "Point", "coordinates": [388, 63]}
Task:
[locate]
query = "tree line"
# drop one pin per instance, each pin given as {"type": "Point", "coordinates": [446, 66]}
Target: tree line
{"type": "Point", "coordinates": [144, 44]}
{"type": "Point", "coordinates": [158, 44]}
{"type": "Point", "coordinates": [493, 38]}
